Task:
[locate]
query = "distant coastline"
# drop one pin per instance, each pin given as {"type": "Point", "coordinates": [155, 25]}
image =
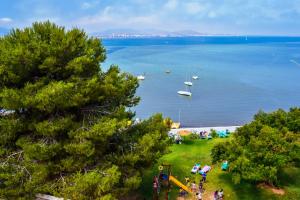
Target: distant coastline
{"type": "Point", "coordinates": [161, 36]}
{"type": "Point", "coordinates": [137, 36]}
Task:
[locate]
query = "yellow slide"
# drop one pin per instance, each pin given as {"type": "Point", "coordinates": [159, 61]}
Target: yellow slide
{"type": "Point", "coordinates": [179, 184]}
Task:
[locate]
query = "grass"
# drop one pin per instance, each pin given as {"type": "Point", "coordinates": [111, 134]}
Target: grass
{"type": "Point", "coordinates": [183, 157]}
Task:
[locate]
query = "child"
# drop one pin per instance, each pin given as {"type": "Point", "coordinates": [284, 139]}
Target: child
{"type": "Point", "coordinates": [194, 188]}
{"type": "Point", "coordinates": [204, 177]}
{"type": "Point", "coordinates": [221, 194]}
{"type": "Point", "coordinates": [216, 195]}
{"type": "Point", "coordinates": [199, 196]}
{"type": "Point", "coordinates": [181, 192]}
{"type": "Point", "coordinates": [201, 186]}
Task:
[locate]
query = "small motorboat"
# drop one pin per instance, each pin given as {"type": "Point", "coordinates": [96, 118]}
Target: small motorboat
{"type": "Point", "coordinates": [141, 77]}
{"type": "Point", "coordinates": [195, 77]}
{"type": "Point", "coordinates": [184, 93]}
{"type": "Point", "coordinates": [188, 83]}
{"type": "Point", "coordinates": [168, 71]}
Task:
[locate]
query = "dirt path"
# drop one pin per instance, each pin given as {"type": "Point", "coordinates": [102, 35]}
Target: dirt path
{"type": "Point", "coordinates": [275, 190]}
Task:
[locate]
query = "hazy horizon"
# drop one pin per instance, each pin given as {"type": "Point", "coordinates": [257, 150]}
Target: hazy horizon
{"type": "Point", "coordinates": [233, 17]}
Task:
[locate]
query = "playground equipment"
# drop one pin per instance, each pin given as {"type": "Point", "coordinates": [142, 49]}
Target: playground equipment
{"type": "Point", "coordinates": [179, 184]}
{"type": "Point", "coordinates": [164, 180]}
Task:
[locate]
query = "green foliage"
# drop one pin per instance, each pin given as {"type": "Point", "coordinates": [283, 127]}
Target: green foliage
{"type": "Point", "coordinates": [193, 136]}
{"type": "Point", "coordinates": [259, 150]}
{"type": "Point", "coordinates": [69, 134]}
{"type": "Point", "coordinates": [213, 133]}
{"type": "Point", "coordinates": [168, 122]}
{"type": "Point", "coordinates": [220, 152]}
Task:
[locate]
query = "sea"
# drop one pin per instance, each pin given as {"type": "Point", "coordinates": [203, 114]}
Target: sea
{"type": "Point", "coordinates": [238, 76]}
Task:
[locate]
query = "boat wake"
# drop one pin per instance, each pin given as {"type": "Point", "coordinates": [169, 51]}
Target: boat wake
{"type": "Point", "coordinates": [295, 62]}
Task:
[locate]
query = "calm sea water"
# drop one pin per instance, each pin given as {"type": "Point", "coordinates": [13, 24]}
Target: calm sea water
{"type": "Point", "coordinates": [237, 76]}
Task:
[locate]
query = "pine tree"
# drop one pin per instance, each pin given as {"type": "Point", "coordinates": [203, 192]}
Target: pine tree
{"type": "Point", "coordinates": [70, 133]}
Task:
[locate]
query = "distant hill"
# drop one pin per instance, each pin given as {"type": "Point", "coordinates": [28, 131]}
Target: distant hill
{"type": "Point", "coordinates": [129, 33]}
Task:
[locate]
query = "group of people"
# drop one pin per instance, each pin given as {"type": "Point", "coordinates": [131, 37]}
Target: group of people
{"type": "Point", "coordinates": [193, 187]}
{"type": "Point", "coordinates": [218, 194]}
{"type": "Point", "coordinates": [203, 134]}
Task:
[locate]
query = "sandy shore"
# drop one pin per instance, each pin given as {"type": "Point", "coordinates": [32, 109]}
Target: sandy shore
{"type": "Point", "coordinates": [198, 129]}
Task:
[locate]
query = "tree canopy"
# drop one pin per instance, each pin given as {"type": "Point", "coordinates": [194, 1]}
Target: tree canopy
{"type": "Point", "coordinates": [70, 133]}
{"type": "Point", "coordinates": [258, 151]}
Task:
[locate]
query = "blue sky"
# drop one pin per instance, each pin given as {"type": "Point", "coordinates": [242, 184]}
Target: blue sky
{"type": "Point", "coordinates": [251, 17]}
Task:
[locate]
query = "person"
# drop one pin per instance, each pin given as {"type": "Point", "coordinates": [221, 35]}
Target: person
{"type": "Point", "coordinates": [193, 187]}
{"type": "Point", "coordinates": [155, 185]}
{"type": "Point", "coordinates": [201, 186]}
{"type": "Point", "coordinates": [220, 194]}
{"type": "Point", "coordinates": [181, 192]}
{"type": "Point", "coordinates": [155, 190]}
{"type": "Point", "coordinates": [204, 177]}
{"type": "Point", "coordinates": [199, 196]}
{"type": "Point", "coordinates": [177, 139]}
{"type": "Point", "coordinates": [216, 195]}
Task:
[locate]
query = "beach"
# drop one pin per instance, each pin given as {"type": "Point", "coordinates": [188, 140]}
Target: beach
{"type": "Point", "coordinates": [207, 129]}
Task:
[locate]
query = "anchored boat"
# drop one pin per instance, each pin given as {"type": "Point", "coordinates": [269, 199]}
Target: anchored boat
{"type": "Point", "coordinates": [184, 93]}
{"type": "Point", "coordinates": [141, 77]}
{"type": "Point", "coordinates": [188, 83]}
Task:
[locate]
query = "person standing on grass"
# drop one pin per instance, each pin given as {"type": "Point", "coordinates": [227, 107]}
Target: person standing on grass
{"type": "Point", "coordinates": [216, 195]}
{"type": "Point", "coordinates": [201, 186]}
{"type": "Point", "coordinates": [220, 194]}
{"type": "Point", "coordinates": [204, 177]}
{"type": "Point", "coordinates": [199, 196]}
{"type": "Point", "coordinates": [193, 187]}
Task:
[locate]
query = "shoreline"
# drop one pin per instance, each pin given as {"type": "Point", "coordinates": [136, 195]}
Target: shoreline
{"type": "Point", "coordinates": [198, 129]}
{"type": "Point", "coordinates": [191, 36]}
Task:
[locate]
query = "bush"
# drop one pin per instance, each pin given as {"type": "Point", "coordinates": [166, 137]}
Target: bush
{"type": "Point", "coordinates": [213, 133]}
{"type": "Point", "coordinates": [261, 149]}
{"type": "Point", "coordinates": [219, 152]}
{"type": "Point", "coordinates": [194, 136]}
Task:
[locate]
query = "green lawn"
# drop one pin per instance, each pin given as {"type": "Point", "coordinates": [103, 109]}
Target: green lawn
{"type": "Point", "coordinates": [183, 157]}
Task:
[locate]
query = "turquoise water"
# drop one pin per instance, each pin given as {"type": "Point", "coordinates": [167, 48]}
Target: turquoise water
{"type": "Point", "coordinates": [237, 77]}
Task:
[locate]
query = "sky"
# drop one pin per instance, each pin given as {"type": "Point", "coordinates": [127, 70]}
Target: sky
{"type": "Point", "coordinates": [246, 17]}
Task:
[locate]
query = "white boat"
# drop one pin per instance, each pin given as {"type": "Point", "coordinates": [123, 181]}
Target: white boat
{"type": "Point", "coordinates": [168, 71]}
{"type": "Point", "coordinates": [195, 77]}
{"type": "Point", "coordinates": [141, 77]}
{"type": "Point", "coordinates": [188, 83]}
{"type": "Point", "coordinates": [184, 93]}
